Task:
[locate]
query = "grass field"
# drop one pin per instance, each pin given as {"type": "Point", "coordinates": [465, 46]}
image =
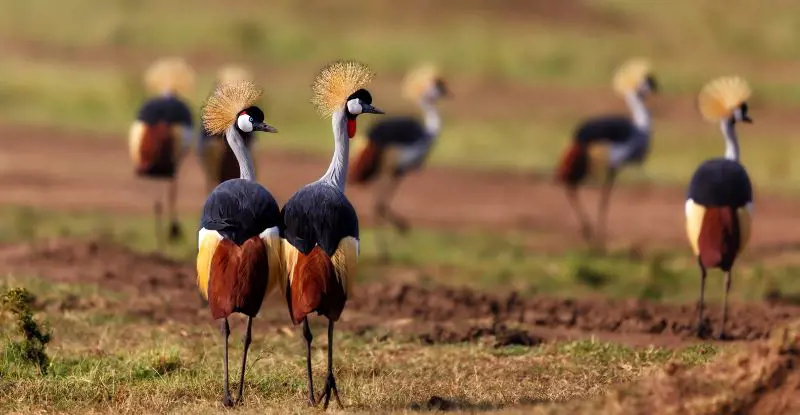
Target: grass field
{"type": "Point", "coordinates": [518, 70]}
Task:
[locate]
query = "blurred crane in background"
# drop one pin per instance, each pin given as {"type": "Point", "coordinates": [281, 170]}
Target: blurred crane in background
{"type": "Point", "coordinates": [162, 134]}
{"type": "Point", "coordinates": [720, 197]}
{"type": "Point", "coordinates": [239, 245]}
{"type": "Point", "coordinates": [399, 145]}
{"type": "Point", "coordinates": [216, 157]}
{"type": "Point", "coordinates": [321, 232]}
{"type": "Point", "coordinates": [601, 146]}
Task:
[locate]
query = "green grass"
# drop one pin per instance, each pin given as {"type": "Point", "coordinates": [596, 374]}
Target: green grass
{"type": "Point", "coordinates": [104, 360]}
{"type": "Point", "coordinates": [481, 260]}
{"type": "Point", "coordinates": [519, 70]}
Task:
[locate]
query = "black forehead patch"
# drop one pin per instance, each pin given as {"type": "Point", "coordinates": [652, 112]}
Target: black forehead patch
{"type": "Point", "coordinates": [651, 82]}
{"type": "Point", "coordinates": [441, 85]}
{"type": "Point", "coordinates": [254, 112]}
{"type": "Point", "coordinates": [743, 108]}
{"type": "Point", "coordinates": [363, 95]}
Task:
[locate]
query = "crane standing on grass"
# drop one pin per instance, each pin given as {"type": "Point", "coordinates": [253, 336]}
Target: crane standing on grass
{"type": "Point", "coordinates": [162, 133]}
{"type": "Point", "coordinates": [321, 236]}
{"type": "Point", "coordinates": [400, 145]}
{"type": "Point", "coordinates": [216, 157]}
{"type": "Point", "coordinates": [601, 146]}
{"type": "Point", "coordinates": [239, 246]}
{"type": "Point", "coordinates": [720, 197]}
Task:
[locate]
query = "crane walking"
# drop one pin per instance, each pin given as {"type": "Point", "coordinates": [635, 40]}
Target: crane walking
{"type": "Point", "coordinates": [397, 146]}
{"type": "Point", "coordinates": [162, 134]}
{"type": "Point", "coordinates": [720, 196]}
{"type": "Point", "coordinates": [603, 145]}
{"type": "Point", "coordinates": [239, 246]}
{"type": "Point", "coordinates": [321, 236]}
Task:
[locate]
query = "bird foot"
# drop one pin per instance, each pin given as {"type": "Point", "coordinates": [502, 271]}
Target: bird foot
{"type": "Point", "coordinates": [704, 331]}
{"type": "Point", "coordinates": [402, 226]}
{"type": "Point", "coordinates": [330, 388]}
{"type": "Point", "coordinates": [724, 336]}
{"type": "Point", "coordinates": [175, 232]}
{"type": "Point", "coordinates": [227, 401]}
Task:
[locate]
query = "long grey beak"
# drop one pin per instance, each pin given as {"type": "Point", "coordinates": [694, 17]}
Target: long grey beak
{"type": "Point", "coordinates": [747, 119]}
{"type": "Point", "coordinates": [367, 108]}
{"type": "Point", "coordinates": [260, 126]}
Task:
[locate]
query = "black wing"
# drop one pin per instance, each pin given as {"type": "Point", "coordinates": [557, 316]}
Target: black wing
{"type": "Point", "coordinates": [240, 209]}
{"type": "Point", "coordinates": [318, 214]}
{"type": "Point", "coordinates": [165, 109]}
{"type": "Point", "coordinates": [616, 129]}
{"type": "Point", "coordinates": [720, 182]}
{"type": "Point", "coordinates": [396, 131]}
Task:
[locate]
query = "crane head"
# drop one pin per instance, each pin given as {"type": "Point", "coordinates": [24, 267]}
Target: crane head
{"type": "Point", "coordinates": [359, 102]}
{"type": "Point", "coordinates": [252, 119]}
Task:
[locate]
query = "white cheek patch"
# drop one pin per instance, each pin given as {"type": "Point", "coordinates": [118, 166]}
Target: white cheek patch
{"type": "Point", "coordinates": [750, 207]}
{"type": "Point", "coordinates": [354, 106]}
{"type": "Point", "coordinates": [244, 123]}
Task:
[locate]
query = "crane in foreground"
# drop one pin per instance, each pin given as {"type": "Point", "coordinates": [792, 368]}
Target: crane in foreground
{"type": "Point", "coordinates": [239, 246]}
{"type": "Point", "coordinates": [397, 146]}
{"type": "Point", "coordinates": [321, 236]}
{"type": "Point", "coordinates": [216, 157]}
{"type": "Point", "coordinates": [601, 146]}
{"type": "Point", "coordinates": [719, 200]}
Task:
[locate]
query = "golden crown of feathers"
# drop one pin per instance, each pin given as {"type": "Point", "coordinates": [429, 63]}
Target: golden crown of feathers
{"type": "Point", "coordinates": [335, 82]}
{"type": "Point", "coordinates": [231, 73]}
{"type": "Point", "coordinates": [223, 106]}
{"type": "Point", "coordinates": [630, 75]}
{"type": "Point", "coordinates": [171, 74]}
{"type": "Point", "coordinates": [720, 97]}
{"type": "Point", "coordinates": [419, 80]}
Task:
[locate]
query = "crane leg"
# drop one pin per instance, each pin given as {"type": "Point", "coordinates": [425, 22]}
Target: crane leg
{"type": "Point", "coordinates": [246, 342]}
{"type": "Point", "coordinates": [722, 334]}
{"type": "Point", "coordinates": [226, 332]}
{"type": "Point", "coordinates": [702, 329]}
{"type": "Point", "coordinates": [386, 191]}
{"type": "Point", "coordinates": [157, 211]}
{"type": "Point", "coordinates": [330, 383]}
{"type": "Point", "coordinates": [175, 232]}
{"type": "Point", "coordinates": [602, 214]}
{"type": "Point", "coordinates": [583, 218]}
{"type": "Point", "coordinates": [308, 337]}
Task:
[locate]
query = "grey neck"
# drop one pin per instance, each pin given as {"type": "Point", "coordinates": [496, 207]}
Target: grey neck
{"type": "Point", "coordinates": [433, 123]}
{"type": "Point", "coordinates": [337, 171]}
{"type": "Point", "coordinates": [639, 113]}
{"type": "Point", "coordinates": [236, 142]}
{"type": "Point", "coordinates": [731, 141]}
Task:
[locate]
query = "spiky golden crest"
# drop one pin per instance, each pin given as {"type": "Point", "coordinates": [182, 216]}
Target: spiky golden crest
{"type": "Point", "coordinates": [231, 73]}
{"type": "Point", "coordinates": [630, 75]}
{"type": "Point", "coordinates": [335, 82]}
{"type": "Point", "coordinates": [172, 74]}
{"type": "Point", "coordinates": [419, 80]}
{"type": "Point", "coordinates": [224, 105]}
{"type": "Point", "coordinates": [721, 96]}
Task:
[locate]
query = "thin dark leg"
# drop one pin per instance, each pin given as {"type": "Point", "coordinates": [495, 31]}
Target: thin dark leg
{"type": "Point", "coordinates": [308, 336]}
{"type": "Point", "coordinates": [701, 325]}
{"type": "Point", "coordinates": [583, 219]}
{"type": "Point", "coordinates": [246, 341]}
{"type": "Point", "coordinates": [722, 334]}
{"type": "Point", "coordinates": [602, 214]}
{"type": "Point", "coordinates": [226, 331]}
{"type": "Point", "coordinates": [386, 192]}
{"type": "Point", "coordinates": [157, 213]}
{"type": "Point", "coordinates": [330, 383]}
{"type": "Point", "coordinates": [175, 232]}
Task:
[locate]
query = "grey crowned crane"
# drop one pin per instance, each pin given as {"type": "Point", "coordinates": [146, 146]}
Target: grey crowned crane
{"type": "Point", "coordinates": [720, 196]}
{"type": "Point", "coordinates": [321, 238]}
{"type": "Point", "coordinates": [400, 145]}
{"type": "Point", "coordinates": [601, 146]}
{"type": "Point", "coordinates": [239, 247]}
{"type": "Point", "coordinates": [216, 157]}
{"type": "Point", "coordinates": [162, 133]}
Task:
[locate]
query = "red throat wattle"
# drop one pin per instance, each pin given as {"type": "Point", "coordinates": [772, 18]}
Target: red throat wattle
{"type": "Point", "coordinates": [351, 128]}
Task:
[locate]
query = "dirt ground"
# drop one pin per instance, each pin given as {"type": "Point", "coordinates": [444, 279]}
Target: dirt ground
{"type": "Point", "coordinates": [77, 172]}
{"type": "Point", "coordinates": [159, 289]}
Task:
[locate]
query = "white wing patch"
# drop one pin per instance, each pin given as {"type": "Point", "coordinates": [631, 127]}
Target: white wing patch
{"type": "Point", "coordinates": [272, 232]}
{"type": "Point", "coordinates": [203, 233]}
{"type": "Point", "coordinates": [688, 207]}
